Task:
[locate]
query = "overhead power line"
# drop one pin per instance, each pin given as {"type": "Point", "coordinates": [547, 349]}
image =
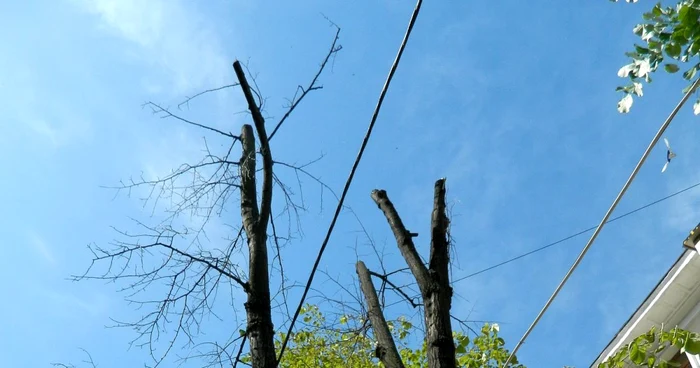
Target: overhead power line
{"type": "Point", "coordinates": [389, 77]}
{"type": "Point", "coordinates": [574, 235]}
{"type": "Point", "coordinates": [578, 260]}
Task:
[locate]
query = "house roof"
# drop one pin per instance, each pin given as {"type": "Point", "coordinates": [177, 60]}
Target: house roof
{"type": "Point", "coordinates": [673, 299]}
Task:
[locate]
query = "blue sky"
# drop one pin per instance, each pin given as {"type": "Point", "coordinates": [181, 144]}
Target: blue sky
{"type": "Point", "coordinates": [513, 102]}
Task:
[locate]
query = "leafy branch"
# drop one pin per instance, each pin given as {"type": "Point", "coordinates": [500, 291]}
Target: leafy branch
{"type": "Point", "coordinates": [670, 36]}
{"type": "Point", "coordinates": [644, 350]}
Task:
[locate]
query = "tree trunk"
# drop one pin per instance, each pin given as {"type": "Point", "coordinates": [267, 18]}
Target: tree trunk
{"type": "Point", "coordinates": [260, 331]}
{"type": "Point", "coordinates": [386, 348]}
{"type": "Point", "coordinates": [433, 281]}
{"type": "Point", "coordinates": [438, 298]}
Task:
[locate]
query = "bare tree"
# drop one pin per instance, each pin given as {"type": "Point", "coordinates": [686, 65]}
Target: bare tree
{"type": "Point", "coordinates": [191, 275]}
{"type": "Point", "coordinates": [433, 282]}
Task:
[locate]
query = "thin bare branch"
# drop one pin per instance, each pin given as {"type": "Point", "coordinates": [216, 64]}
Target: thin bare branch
{"type": "Point", "coordinates": [157, 109]}
{"type": "Point", "coordinates": [403, 239]}
{"type": "Point", "coordinates": [190, 98]}
{"type": "Point", "coordinates": [312, 86]}
{"type": "Point", "coordinates": [89, 361]}
{"type": "Point", "coordinates": [190, 280]}
{"type": "Point", "coordinates": [240, 351]}
{"type": "Point", "coordinates": [398, 290]}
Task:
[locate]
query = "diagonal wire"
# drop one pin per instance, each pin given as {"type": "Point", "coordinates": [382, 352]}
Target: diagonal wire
{"type": "Point", "coordinates": [416, 10]}
{"type": "Point", "coordinates": [578, 260]}
{"type": "Point", "coordinates": [574, 235]}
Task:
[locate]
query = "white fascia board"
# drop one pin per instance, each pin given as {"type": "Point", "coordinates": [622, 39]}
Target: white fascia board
{"type": "Point", "coordinates": [629, 331]}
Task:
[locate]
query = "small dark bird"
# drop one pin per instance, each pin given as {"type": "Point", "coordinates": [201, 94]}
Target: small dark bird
{"type": "Point", "coordinates": [669, 155]}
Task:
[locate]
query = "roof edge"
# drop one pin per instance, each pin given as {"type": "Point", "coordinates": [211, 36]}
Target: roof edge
{"type": "Point", "coordinates": [646, 303]}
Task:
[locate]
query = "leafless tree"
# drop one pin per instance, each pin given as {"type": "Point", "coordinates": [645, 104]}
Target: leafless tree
{"type": "Point", "coordinates": [191, 276]}
{"type": "Point", "coordinates": [433, 282]}
{"type": "Point", "coordinates": [171, 259]}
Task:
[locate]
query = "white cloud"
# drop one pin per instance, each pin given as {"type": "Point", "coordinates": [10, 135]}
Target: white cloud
{"type": "Point", "coordinates": [169, 36]}
{"type": "Point", "coordinates": [41, 248]}
{"type": "Point", "coordinates": [60, 128]}
{"type": "Point", "coordinates": [43, 115]}
{"type": "Point", "coordinates": [183, 54]}
{"type": "Point", "coordinates": [41, 127]}
{"type": "Point", "coordinates": [182, 51]}
{"type": "Point", "coordinates": [96, 305]}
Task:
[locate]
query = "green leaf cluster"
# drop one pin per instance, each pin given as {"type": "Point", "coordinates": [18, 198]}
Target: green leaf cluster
{"type": "Point", "coordinates": [486, 350]}
{"type": "Point", "coordinates": [644, 350]}
{"type": "Point", "coordinates": [670, 37]}
{"type": "Point", "coordinates": [347, 344]}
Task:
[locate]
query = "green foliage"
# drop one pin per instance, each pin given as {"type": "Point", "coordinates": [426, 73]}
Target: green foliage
{"type": "Point", "coordinates": [316, 344]}
{"type": "Point", "coordinates": [643, 351]}
{"type": "Point", "coordinates": [487, 350]}
{"type": "Point", "coordinates": [670, 36]}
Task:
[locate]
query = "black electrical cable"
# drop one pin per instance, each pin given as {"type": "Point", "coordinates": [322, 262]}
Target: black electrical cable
{"type": "Point", "coordinates": [574, 235]}
{"type": "Point", "coordinates": [394, 66]}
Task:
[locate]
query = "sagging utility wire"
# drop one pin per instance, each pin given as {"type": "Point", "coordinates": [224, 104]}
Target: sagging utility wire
{"type": "Point", "coordinates": [609, 212]}
{"type": "Point", "coordinates": [503, 263]}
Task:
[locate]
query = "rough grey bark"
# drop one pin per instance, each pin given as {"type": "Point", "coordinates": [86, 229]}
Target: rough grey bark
{"type": "Point", "coordinates": [386, 348]}
{"type": "Point", "coordinates": [260, 331]}
{"type": "Point", "coordinates": [437, 295]}
{"type": "Point", "coordinates": [433, 281]}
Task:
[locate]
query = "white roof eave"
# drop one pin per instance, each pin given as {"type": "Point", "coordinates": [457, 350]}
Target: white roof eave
{"type": "Point", "coordinates": [656, 302]}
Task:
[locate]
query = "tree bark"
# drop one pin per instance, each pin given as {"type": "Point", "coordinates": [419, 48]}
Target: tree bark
{"type": "Point", "coordinates": [438, 301]}
{"type": "Point", "coordinates": [404, 240]}
{"type": "Point", "coordinates": [386, 348]}
{"type": "Point", "coordinates": [260, 330]}
{"type": "Point", "coordinates": [433, 282]}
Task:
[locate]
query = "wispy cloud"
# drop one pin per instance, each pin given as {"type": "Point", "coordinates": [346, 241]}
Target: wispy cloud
{"type": "Point", "coordinates": [170, 36]}
{"type": "Point", "coordinates": [44, 117]}
{"type": "Point", "coordinates": [60, 128]}
{"type": "Point", "coordinates": [182, 54]}
{"type": "Point", "coordinates": [41, 248]}
{"type": "Point", "coordinates": [95, 305]}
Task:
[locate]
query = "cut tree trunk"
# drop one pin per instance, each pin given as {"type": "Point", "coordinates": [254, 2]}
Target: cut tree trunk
{"type": "Point", "coordinates": [433, 281]}
{"type": "Point", "coordinates": [386, 348]}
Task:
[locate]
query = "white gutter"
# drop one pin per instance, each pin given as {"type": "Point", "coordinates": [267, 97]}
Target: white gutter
{"type": "Point", "coordinates": [666, 284]}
